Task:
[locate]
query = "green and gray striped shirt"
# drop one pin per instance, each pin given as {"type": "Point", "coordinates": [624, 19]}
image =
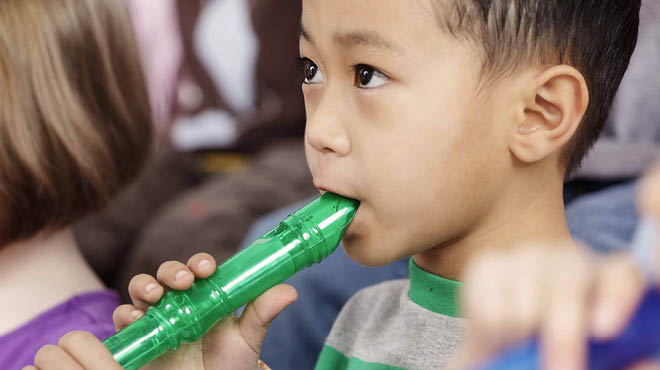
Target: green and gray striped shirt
{"type": "Point", "coordinates": [401, 324]}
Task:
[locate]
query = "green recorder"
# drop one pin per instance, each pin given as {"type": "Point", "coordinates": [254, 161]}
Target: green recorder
{"type": "Point", "coordinates": [301, 240]}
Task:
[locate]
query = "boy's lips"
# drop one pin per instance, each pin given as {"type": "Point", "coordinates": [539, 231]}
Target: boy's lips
{"type": "Point", "coordinates": [324, 188]}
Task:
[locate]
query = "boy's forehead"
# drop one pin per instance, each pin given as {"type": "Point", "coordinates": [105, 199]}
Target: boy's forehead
{"type": "Point", "coordinates": [388, 24]}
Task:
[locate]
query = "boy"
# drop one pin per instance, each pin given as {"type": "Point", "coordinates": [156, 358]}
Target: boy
{"type": "Point", "coordinates": [454, 123]}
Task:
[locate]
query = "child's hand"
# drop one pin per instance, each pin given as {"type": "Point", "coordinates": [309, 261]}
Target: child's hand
{"type": "Point", "coordinates": [77, 350]}
{"type": "Point", "coordinates": [234, 343]}
{"type": "Point", "coordinates": [560, 293]}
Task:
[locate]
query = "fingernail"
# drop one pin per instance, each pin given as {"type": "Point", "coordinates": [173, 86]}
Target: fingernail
{"type": "Point", "coordinates": [136, 314]}
{"type": "Point", "coordinates": [180, 274]}
{"type": "Point", "coordinates": [204, 264]}
{"type": "Point", "coordinates": [150, 287]}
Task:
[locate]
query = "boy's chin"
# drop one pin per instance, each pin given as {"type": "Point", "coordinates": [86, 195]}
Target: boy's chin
{"type": "Point", "coordinates": [359, 250]}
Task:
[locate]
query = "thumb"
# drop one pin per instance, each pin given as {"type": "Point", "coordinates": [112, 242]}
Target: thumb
{"type": "Point", "coordinates": [258, 315]}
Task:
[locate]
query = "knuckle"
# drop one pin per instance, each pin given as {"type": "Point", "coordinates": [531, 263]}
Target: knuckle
{"type": "Point", "coordinates": [74, 337]}
{"type": "Point", "coordinates": [167, 268]}
{"type": "Point", "coordinates": [483, 266]}
{"type": "Point", "coordinates": [138, 280]}
{"type": "Point", "coordinates": [576, 268]}
{"type": "Point", "coordinates": [486, 318]}
{"type": "Point", "coordinates": [122, 311]}
{"type": "Point", "coordinates": [46, 354]}
{"type": "Point", "coordinates": [124, 308]}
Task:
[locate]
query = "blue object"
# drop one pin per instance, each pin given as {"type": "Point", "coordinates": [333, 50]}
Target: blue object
{"type": "Point", "coordinates": [639, 341]}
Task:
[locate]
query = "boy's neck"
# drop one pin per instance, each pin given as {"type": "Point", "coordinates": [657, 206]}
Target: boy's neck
{"type": "Point", "coordinates": [523, 217]}
{"type": "Point", "coordinates": [40, 273]}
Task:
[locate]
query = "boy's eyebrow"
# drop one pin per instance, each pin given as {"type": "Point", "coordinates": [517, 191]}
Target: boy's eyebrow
{"type": "Point", "coordinates": [355, 38]}
{"type": "Point", "coordinates": [365, 38]}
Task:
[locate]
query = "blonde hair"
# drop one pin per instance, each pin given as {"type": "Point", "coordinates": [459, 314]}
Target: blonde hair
{"type": "Point", "coordinates": [75, 121]}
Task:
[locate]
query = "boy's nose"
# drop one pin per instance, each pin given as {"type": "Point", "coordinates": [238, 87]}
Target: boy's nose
{"type": "Point", "coordinates": [326, 133]}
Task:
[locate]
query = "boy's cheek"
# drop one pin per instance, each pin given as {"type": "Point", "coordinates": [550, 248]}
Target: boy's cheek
{"type": "Point", "coordinates": [311, 158]}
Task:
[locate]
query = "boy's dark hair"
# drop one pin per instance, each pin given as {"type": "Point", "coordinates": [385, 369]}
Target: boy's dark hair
{"type": "Point", "coordinates": [597, 37]}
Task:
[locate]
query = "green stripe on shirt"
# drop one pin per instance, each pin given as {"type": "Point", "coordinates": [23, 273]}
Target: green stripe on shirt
{"type": "Point", "coordinates": [332, 359]}
{"type": "Point", "coordinates": [433, 292]}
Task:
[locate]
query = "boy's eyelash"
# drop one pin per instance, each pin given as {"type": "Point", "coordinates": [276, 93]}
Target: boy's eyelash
{"type": "Point", "coordinates": [359, 66]}
{"type": "Point", "coordinates": [301, 63]}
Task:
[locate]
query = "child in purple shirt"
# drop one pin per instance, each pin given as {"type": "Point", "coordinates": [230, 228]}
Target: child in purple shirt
{"type": "Point", "coordinates": [91, 311]}
{"type": "Point", "coordinates": [75, 129]}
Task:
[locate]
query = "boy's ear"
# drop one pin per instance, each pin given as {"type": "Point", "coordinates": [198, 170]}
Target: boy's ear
{"type": "Point", "coordinates": [553, 110]}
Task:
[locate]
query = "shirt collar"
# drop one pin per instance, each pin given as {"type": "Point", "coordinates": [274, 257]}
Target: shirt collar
{"type": "Point", "coordinates": [433, 292]}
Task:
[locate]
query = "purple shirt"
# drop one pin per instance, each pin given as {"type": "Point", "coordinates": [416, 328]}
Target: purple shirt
{"type": "Point", "coordinates": [90, 311]}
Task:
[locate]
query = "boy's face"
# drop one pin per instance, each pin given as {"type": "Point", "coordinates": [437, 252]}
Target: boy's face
{"type": "Point", "coordinates": [395, 120]}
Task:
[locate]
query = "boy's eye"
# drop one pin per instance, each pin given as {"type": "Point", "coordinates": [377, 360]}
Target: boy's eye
{"type": "Point", "coordinates": [311, 73]}
{"type": "Point", "coordinates": [367, 77]}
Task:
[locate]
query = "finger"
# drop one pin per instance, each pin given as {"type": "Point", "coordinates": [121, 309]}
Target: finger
{"type": "Point", "coordinates": [125, 315]}
{"type": "Point", "coordinates": [175, 275]}
{"type": "Point", "coordinates": [202, 265]}
{"type": "Point", "coordinates": [29, 368]}
{"type": "Point", "coordinates": [484, 282]}
{"type": "Point", "coordinates": [563, 330]}
{"type": "Point", "coordinates": [258, 315]}
{"type": "Point", "coordinates": [144, 291]}
{"type": "Point", "coordinates": [525, 283]}
{"type": "Point", "coordinates": [649, 203]}
{"type": "Point", "coordinates": [649, 193]}
{"type": "Point", "coordinates": [88, 351]}
{"type": "Point", "coordinates": [52, 357]}
{"type": "Point", "coordinates": [462, 360]}
{"type": "Point", "coordinates": [619, 289]}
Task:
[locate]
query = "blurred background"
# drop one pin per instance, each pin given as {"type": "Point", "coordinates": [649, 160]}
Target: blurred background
{"type": "Point", "coordinates": [230, 164]}
{"type": "Point", "coordinates": [224, 86]}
